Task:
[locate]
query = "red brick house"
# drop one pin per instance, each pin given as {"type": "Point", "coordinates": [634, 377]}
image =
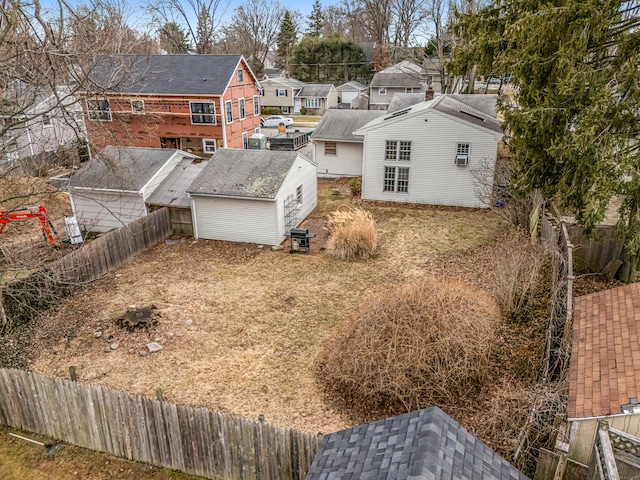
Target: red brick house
{"type": "Point", "coordinates": [197, 103]}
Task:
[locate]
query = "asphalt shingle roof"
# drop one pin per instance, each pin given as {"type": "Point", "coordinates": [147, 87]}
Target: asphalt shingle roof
{"type": "Point", "coordinates": [398, 79]}
{"type": "Point", "coordinates": [121, 168]}
{"type": "Point", "coordinates": [165, 74]}
{"type": "Point", "coordinates": [404, 100]}
{"type": "Point", "coordinates": [320, 90]}
{"type": "Point", "coordinates": [351, 86]}
{"type": "Point", "coordinates": [244, 173]}
{"type": "Point", "coordinates": [422, 445]}
{"type": "Point", "coordinates": [605, 359]}
{"type": "Point", "coordinates": [339, 125]}
{"type": "Point", "coordinates": [451, 106]}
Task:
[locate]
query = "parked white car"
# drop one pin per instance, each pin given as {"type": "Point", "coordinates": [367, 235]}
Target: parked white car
{"type": "Point", "coordinates": [275, 120]}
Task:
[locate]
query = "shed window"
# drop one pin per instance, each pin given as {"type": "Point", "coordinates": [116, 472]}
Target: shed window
{"type": "Point", "coordinates": [330, 148]}
{"type": "Point", "coordinates": [203, 112]}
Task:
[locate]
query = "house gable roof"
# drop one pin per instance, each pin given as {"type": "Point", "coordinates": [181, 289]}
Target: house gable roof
{"type": "Point", "coordinates": [351, 86]}
{"type": "Point", "coordinates": [404, 100]}
{"type": "Point", "coordinates": [244, 173]}
{"type": "Point", "coordinates": [422, 445]}
{"type": "Point", "coordinates": [165, 74]}
{"type": "Point", "coordinates": [486, 103]}
{"type": "Point", "coordinates": [123, 168]}
{"type": "Point", "coordinates": [403, 66]}
{"type": "Point", "coordinates": [605, 359]}
{"type": "Point", "coordinates": [320, 90]}
{"type": "Point", "coordinates": [285, 82]}
{"type": "Point", "coordinates": [442, 104]}
{"type": "Point", "coordinates": [338, 125]}
{"type": "Point", "coordinates": [396, 79]}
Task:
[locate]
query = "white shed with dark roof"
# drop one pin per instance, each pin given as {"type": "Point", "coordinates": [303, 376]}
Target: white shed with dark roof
{"type": "Point", "coordinates": [113, 188]}
{"type": "Point", "coordinates": [252, 196]}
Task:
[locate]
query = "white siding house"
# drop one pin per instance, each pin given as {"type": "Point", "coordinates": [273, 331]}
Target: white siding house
{"type": "Point", "coordinates": [252, 196]}
{"type": "Point", "coordinates": [336, 150]}
{"type": "Point", "coordinates": [112, 188]}
{"type": "Point", "coordinates": [438, 152]}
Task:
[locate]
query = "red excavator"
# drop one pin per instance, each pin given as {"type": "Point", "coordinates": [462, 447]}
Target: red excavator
{"type": "Point", "coordinates": [25, 214]}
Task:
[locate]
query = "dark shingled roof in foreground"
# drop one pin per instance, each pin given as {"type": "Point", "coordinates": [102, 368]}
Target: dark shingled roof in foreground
{"type": "Point", "coordinates": [165, 74]}
{"type": "Point", "coordinates": [422, 445]}
{"type": "Point", "coordinates": [244, 173]}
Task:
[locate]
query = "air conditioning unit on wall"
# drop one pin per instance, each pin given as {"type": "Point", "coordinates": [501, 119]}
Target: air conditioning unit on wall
{"type": "Point", "coordinates": [462, 160]}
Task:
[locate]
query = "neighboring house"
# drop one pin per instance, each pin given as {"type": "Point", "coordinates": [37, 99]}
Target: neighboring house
{"type": "Point", "coordinates": [403, 77]}
{"type": "Point", "coordinates": [253, 196]}
{"type": "Point", "coordinates": [281, 92]}
{"type": "Point", "coordinates": [604, 378]}
{"type": "Point", "coordinates": [421, 445]}
{"type": "Point", "coordinates": [317, 98]}
{"type": "Point", "coordinates": [336, 150]}
{"type": "Point", "coordinates": [433, 76]}
{"type": "Point", "coordinates": [114, 187]}
{"type": "Point", "coordinates": [350, 91]}
{"type": "Point", "coordinates": [42, 122]}
{"type": "Point", "coordinates": [197, 103]}
{"type": "Point", "coordinates": [440, 152]}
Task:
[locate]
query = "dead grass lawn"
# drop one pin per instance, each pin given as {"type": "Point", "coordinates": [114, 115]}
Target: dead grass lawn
{"type": "Point", "coordinates": [249, 324]}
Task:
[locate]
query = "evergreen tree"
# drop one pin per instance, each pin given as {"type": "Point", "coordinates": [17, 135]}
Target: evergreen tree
{"type": "Point", "coordinates": [173, 39]}
{"type": "Point", "coordinates": [287, 38]}
{"type": "Point", "coordinates": [330, 60]}
{"type": "Point", "coordinates": [315, 20]}
{"type": "Point", "coordinates": [573, 133]}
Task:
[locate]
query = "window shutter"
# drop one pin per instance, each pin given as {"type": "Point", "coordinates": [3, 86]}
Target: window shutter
{"type": "Point", "coordinates": [286, 93]}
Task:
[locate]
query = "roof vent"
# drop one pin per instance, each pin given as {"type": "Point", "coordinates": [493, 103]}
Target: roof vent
{"type": "Point", "coordinates": [477, 117]}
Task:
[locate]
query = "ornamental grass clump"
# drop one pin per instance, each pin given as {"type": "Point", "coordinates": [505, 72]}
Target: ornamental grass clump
{"type": "Point", "coordinates": [416, 345]}
{"type": "Point", "coordinates": [352, 234]}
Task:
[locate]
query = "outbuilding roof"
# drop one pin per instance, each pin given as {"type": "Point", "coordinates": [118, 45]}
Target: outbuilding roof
{"type": "Point", "coordinates": [422, 445]}
{"type": "Point", "coordinates": [604, 373]}
{"type": "Point", "coordinates": [244, 173]}
{"type": "Point", "coordinates": [172, 192]}
{"type": "Point", "coordinates": [338, 125]}
{"type": "Point", "coordinates": [165, 74]}
{"type": "Point", "coordinates": [122, 168]}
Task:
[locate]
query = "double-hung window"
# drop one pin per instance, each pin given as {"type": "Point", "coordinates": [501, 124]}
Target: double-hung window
{"type": "Point", "coordinates": [99, 109]}
{"type": "Point", "coordinates": [396, 179]}
{"type": "Point", "coordinates": [203, 113]}
{"type": "Point", "coordinates": [240, 76]}
{"type": "Point", "coordinates": [397, 150]}
{"type": "Point", "coordinates": [228, 107]}
{"type": "Point", "coordinates": [281, 92]}
{"type": "Point", "coordinates": [46, 120]}
{"type": "Point", "coordinates": [241, 108]}
{"type": "Point", "coordinates": [313, 102]}
{"type": "Point", "coordinates": [256, 105]}
{"type": "Point", "coordinates": [209, 145]}
{"type": "Point", "coordinates": [462, 154]}
{"type": "Point", "coordinates": [245, 140]}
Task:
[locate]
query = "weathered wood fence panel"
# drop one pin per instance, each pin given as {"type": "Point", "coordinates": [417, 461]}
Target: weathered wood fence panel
{"type": "Point", "coordinates": [594, 252]}
{"type": "Point", "coordinates": [193, 440]}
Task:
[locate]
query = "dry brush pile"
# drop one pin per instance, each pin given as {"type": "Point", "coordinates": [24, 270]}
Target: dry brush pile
{"type": "Point", "coordinates": [352, 234]}
{"type": "Point", "coordinates": [417, 345]}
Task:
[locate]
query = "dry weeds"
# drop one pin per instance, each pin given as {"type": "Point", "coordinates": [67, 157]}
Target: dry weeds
{"type": "Point", "coordinates": [259, 318]}
{"type": "Point", "coordinates": [353, 234]}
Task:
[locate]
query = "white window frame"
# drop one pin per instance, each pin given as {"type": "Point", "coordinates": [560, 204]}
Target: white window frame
{"type": "Point", "coordinates": [397, 151]}
{"type": "Point", "coordinates": [99, 115]}
{"type": "Point", "coordinates": [202, 114]}
{"type": "Point", "coordinates": [281, 92]}
{"type": "Point", "coordinates": [429, 79]}
{"type": "Point", "coordinates": [392, 183]}
{"type": "Point", "coordinates": [256, 105]}
{"type": "Point", "coordinates": [241, 109]}
{"type": "Point", "coordinates": [240, 75]}
{"type": "Point", "coordinates": [245, 140]}
{"type": "Point", "coordinates": [46, 120]}
{"type": "Point", "coordinates": [256, 130]}
{"type": "Point", "coordinates": [382, 91]}
{"type": "Point", "coordinates": [408, 90]}
{"type": "Point", "coordinates": [313, 102]}
{"type": "Point", "coordinates": [137, 110]}
{"type": "Point", "coordinates": [207, 143]}
{"type": "Point", "coordinates": [463, 152]}
{"type": "Point", "coordinates": [228, 111]}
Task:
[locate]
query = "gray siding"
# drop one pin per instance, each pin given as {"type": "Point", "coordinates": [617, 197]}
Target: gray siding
{"type": "Point", "coordinates": [377, 101]}
{"type": "Point", "coordinates": [103, 211]}
{"type": "Point", "coordinates": [347, 162]}
{"type": "Point", "coordinates": [235, 219]}
{"type": "Point", "coordinates": [269, 98]}
{"type": "Point", "coordinates": [433, 177]}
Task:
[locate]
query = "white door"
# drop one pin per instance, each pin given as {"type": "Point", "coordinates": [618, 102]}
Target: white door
{"type": "Point", "coordinates": [297, 105]}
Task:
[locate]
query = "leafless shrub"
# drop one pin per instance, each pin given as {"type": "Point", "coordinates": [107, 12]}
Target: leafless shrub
{"type": "Point", "coordinates": [416, 345]}
{"type": "Point", "coordinates": [518, 275]}
{"type": "Point", "coordinates": [353, 234]}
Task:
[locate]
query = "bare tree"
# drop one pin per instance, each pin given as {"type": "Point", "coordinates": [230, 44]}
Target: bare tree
{"type": "Point", "coordinates": [254, 29]}
{"type": "Point", "coordinates": [407, 17]}
{"type": "Point", "coordinates": [200, 19]}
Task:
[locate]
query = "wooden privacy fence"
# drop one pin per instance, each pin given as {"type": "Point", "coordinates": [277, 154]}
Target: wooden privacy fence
{"type": "Point", "coordinates": [23, 299]}
{"type": "Point", "coordinates": [193, 440]}
{"type": "Point", "coordinates": [113, 249]}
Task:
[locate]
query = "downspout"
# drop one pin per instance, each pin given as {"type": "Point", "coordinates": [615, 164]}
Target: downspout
{"type": "Point", "coordinates": [223, 114]}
